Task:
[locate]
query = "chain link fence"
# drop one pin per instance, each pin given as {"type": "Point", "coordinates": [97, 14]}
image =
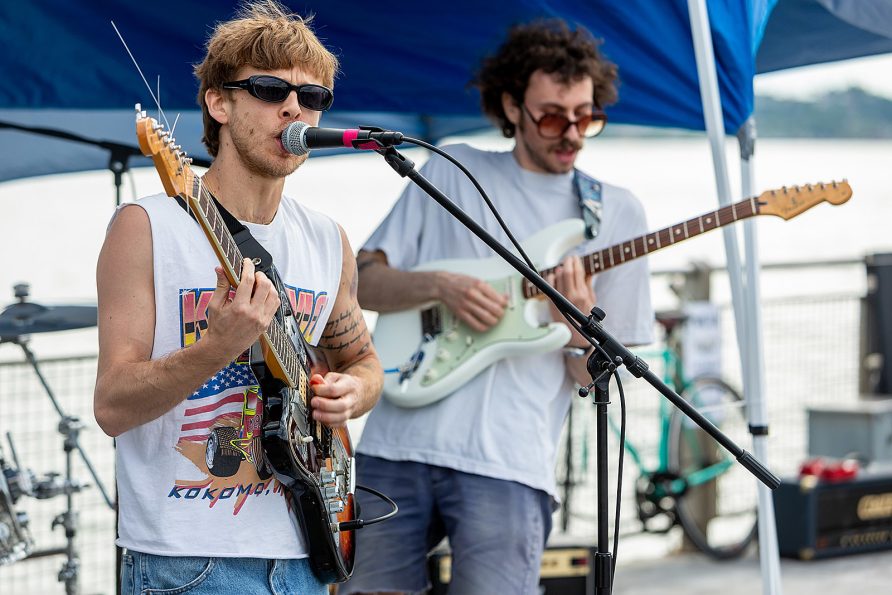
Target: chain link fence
{"type": "Point", "coordinates": [811, 348]}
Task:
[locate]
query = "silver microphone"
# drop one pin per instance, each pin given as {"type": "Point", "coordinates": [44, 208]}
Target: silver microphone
{"type": "Point", "coordinates": [294, 138]}
{"type": "Point", "coordinates": [298, 138]}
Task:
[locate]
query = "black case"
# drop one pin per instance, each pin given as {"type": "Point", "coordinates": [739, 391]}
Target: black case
{"type": "Point", "coordinates": [820, 520]}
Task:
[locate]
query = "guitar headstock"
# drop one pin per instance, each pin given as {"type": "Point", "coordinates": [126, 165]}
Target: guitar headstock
{"type": "Point", "coordinates": [169, 158]}
{"type": "Point", "coordinates": [788, 202]}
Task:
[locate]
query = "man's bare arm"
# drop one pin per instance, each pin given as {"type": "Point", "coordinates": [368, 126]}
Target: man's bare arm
{"type": "Point", "coordinates": [385, 289]}
{"type": "Point", "coordinates": [131, 388]}
{"type": "Point", "coordinates": [354, 385]}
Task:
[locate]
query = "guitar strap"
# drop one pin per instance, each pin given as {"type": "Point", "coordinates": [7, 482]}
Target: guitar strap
{"type": "Point", "coordinates": [247, 244]}
{"type": "Point", "coordinates": [251, 248]}
{"type": "Point", "coordinates": [588, 191]}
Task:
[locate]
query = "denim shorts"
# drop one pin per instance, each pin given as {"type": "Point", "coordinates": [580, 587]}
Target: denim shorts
{"type": "Point", "coordinates": [496, 529]}
{"type": "Point", "coordinates": [147, 574]}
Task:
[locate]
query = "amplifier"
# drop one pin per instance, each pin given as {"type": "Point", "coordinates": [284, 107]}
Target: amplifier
{"type": "Point", "coordinates": [566, 570]}
{"type": "Point", "coordinates": [819, 519]}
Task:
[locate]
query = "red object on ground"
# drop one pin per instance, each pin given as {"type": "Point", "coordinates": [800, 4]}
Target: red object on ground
{"type": "Point", "coordinates": [840, 471]}
{"type": "Point", "coordinates": [814, 467]}
{"type": "Point", "coordinates": [830, 471]}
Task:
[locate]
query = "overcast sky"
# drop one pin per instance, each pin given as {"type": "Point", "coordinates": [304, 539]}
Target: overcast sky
{"type": "Point", "coordinates": [873, 74]}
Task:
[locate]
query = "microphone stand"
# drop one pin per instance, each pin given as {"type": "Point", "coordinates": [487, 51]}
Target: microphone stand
{"type": "Point", "coordinates": [607, 356]}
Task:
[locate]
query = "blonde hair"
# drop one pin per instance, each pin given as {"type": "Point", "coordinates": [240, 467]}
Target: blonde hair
{"type": "Point", "coordinates": [266, 36]}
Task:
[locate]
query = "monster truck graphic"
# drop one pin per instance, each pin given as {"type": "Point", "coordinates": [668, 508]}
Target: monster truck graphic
{"type": "Point", "coordinates": [228, 446]}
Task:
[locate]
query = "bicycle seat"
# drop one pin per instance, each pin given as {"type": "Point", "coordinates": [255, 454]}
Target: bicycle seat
{"type": "Point", "coordinates": [669, 319]}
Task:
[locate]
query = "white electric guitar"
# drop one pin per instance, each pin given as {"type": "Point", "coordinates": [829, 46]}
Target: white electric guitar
{"type": "Point", "coordinates": [428, 353]}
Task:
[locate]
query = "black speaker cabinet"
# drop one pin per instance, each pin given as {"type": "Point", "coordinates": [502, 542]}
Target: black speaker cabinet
{"type": "Point", "coordinates": [820, 520]}
{"type": "Point", "coordinates": [876, 327]}
{"type": "Point", "coordinates": [566, 570]}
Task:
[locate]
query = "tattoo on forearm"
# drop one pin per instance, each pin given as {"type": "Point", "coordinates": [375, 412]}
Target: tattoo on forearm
{"type": "Point", "coordinates": [347, 331]}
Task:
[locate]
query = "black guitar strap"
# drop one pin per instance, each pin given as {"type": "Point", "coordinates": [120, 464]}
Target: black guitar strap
{"type": "Point", "coordinates": [263, 260]}
{"type": "Point", "coordinates": [247, 244]}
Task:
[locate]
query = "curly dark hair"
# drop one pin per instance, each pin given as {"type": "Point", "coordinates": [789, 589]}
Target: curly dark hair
{"type": "Point", "coordinates": [548, 45]}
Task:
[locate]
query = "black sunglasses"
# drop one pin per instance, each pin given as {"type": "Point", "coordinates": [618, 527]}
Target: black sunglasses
{"type": "Point", "coordinates": [556, 125]}
{"type": "Point", "coordinates": [272, 89]}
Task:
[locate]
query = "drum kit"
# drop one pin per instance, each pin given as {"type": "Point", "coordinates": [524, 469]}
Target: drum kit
{"type": "Point", "coordinates": [17, 322]}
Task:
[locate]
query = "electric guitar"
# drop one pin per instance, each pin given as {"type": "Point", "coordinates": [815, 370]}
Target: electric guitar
{"type": "Point", "coordinates": [428, 353]}
{"type": "Point", "coordinates": [314, 463]}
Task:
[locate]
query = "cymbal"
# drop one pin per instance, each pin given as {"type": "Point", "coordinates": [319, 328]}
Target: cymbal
{"type": "Point", "coordinates": [25, 318]}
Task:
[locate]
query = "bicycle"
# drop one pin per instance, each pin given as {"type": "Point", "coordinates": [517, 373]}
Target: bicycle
{"type": "Point", "coordinates": [695, 483]}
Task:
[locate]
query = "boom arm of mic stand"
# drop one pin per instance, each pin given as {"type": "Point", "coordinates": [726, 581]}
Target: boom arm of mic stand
{"type": "Point", "coordinates": [590, 327]}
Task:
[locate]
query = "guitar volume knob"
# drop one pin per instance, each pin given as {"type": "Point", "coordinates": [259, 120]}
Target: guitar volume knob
{"type": "Point", "coordinates": [335, 506]}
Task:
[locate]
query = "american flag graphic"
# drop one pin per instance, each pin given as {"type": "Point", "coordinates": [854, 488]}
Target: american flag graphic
{"type": "Point", "coordinates": [218, 399]}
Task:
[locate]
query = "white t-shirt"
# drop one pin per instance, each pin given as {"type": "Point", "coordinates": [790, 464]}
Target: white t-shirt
{"type": "Point", "coordinates": [169, 500]}
{"type": "Point", "coordinates": [506, 421]}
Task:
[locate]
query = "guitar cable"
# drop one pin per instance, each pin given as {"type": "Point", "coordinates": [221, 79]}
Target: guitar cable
{"type": "Point", "coordinates": [479, 188]}
{"type": "Point", "coordinates": [360, 523]}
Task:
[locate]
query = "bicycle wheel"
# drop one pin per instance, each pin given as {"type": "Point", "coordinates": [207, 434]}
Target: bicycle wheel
{"type": "Point", "coordinates": [717, 507]}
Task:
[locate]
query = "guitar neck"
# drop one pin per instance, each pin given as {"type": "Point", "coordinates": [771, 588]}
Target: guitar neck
{"type": "Point", "coordinates": [601, 260]}
{"type": "Point", "coordinates": [279, 347]}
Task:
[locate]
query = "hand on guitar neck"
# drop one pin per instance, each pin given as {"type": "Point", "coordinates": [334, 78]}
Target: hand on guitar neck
{"type": "Point", "coordinates": [570, 280]}
{"type": "Point", "coordinates": [237, 318]}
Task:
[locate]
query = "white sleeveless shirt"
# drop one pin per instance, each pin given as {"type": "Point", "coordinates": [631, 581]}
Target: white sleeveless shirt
{"type": "Point", "coordinates": [177, 495]}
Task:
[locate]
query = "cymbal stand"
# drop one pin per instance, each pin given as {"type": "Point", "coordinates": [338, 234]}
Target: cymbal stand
{"type": "Point", "coordinates": [69, 426]}
{"type": "Point", "coordinates": [22, 341]}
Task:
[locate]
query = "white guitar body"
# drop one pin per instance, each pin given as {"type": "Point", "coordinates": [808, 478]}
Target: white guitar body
{"type": "Point", "coordinates": [434, 353]}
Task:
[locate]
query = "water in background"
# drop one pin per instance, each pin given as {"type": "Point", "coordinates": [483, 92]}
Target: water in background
{"type": "Point", "coordinates": [51, 228]}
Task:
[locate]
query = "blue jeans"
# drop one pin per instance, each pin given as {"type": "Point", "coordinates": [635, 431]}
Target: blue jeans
{"type": "Point", "coordinates": [147, 574]}
{"type": "Point", "coordinates": [497, 530]}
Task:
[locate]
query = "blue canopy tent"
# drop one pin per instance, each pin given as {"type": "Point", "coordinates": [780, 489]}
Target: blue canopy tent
{"type": "Point", "coordinates": [66, 70]}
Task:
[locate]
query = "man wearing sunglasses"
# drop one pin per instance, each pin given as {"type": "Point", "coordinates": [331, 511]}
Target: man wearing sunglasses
{"type": "Point", "coordinates": [478, 465]}
{"type": "Point", "coordinates": [200, 510]}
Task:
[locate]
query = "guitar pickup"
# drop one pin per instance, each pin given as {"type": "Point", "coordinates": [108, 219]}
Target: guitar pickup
{"type": "Point", "coordinates": [431, 321]}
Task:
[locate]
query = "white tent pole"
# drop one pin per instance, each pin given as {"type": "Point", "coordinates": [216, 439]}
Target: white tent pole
{"type": "Point", "coordinates": [715, 131]}
{"type": "Point", "coordinates": [712, 113]}
{"type": "Point", "coordinates": [756, 405]}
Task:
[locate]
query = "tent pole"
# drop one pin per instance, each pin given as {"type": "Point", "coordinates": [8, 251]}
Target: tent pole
{"type": "Point", "coordinates": [712, 114]}
{"type": "Point", "coordinates": [756, 404]}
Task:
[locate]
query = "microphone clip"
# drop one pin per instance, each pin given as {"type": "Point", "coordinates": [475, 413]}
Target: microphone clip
{"type": "Point", "coordinates": [373, 134]}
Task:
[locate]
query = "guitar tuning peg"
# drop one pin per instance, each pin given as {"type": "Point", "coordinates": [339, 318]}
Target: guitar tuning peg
{"type": "Point", "coordinates": [189, 160]}
{"type": "Point", "coordinates": [784, 189]}
{"type": "Point", "coordinates": [138, 108]}
{"type": "Point", "coordinates": [834, 183]}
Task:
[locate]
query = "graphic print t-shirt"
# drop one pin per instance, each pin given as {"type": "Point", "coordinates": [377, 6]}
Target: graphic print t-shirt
{"type": "Point", "coordinates": [190, 482]}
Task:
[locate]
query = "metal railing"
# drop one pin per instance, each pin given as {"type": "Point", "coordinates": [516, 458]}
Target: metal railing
{"type": "Point", "coordinates": [811, 345]}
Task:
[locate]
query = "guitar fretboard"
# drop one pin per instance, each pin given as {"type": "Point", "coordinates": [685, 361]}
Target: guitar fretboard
{"type": "Point", "coordinates": [294, 364]}
{"type": "Point", "coordinates": [601, 260]}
